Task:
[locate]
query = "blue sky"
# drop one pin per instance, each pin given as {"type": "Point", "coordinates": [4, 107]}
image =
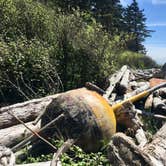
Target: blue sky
{"type": "Point", "coordinates": [155, 12]}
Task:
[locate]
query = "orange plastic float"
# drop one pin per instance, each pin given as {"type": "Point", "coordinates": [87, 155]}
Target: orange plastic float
{"type": "Point", "coordinates": [88, 116]}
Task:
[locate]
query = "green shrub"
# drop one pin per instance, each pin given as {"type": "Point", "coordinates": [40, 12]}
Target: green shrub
{"type": "Point", "coordinates": [26, 18]}
{"type": "Point", "coordinates": [26, 71]}
{"type": "Point", "coordinates": [136, 60]}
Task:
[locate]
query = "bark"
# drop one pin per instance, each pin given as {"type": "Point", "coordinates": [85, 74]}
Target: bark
{"type": "Point", "coordinates": [123, 151]}
{"type": "Point", "coordinates": [157, 148]}
{"type": "Point", "coordinates": [26, 111]}
{"type": "Point", "coordinates": [94, 87]}
{"type": "Point", "coordinates": [13, 135]}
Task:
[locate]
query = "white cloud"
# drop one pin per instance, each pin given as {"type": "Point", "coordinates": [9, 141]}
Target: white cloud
{"type": "Point", "coordinates": [158, 2]}
{"type": "Point", "coordinates": [162, 24]}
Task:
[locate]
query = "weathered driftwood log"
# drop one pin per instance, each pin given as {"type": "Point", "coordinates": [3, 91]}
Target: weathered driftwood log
{"type": "Point", "coordinates": [41, 164]}
{"type": "Point", "coordinates": [149, 102]}
{"type": "Point", "coordinates": [159, 106]}
{"type": "Point", "coordinates": [94, 87]}
{"type": "Point", "coordinates": [7, 157]}
{"type": "Point", "coordinates": [141, 137]}
{"type": "Point", "coordinates": [13, 135]}
{"type": "Point", "coordinates": [123, 85]}
{"type": "Point", "coordinates": [26, 111]}
{"type": "Point", "coordinates": [157, 148]}
{"type": "Point", "coordinates": [115, 78]}
{"type": "Point", "coordinates": [150, 114]}
{"type": "Point", "coordinates": [123, 151]}
{"type": "Point", "coordinates": [138, 90]}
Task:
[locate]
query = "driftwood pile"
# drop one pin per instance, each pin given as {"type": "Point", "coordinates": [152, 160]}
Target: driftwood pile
{"type": "Point", "coordinates": [19, 121]}
{"type": "Point", "coordinates": [122, 149]}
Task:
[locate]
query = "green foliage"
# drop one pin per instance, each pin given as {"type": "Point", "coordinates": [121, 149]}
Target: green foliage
{"type": "Point", "coordinates": [75, 157]}
{"type": "Point", "coordinates": [40, 44]}
{"type": "Point", "coordinates": [25, 18]}
{"type": "Point", "coordinates": [84, 50]}
{"type": "Point", "coordinates": [136, 60]}
{"type": "Point", "coordinates": [26, 71]}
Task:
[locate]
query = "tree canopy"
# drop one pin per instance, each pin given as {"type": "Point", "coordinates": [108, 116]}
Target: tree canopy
{"type": "Point", "coordinates": [47, 46]}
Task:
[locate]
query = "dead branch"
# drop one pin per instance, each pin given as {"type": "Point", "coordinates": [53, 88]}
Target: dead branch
{"type": "Point", "coordinates": [66, 145]}
{"type": "Point", "coordinates": [33, 132]}
{"type": "Point", "coordinates": [31, 138]}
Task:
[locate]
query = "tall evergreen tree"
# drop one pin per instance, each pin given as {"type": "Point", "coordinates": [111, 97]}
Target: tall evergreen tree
{"type": "Point", "coordinates": [135, 21]}
{"type": "Point", "coordinates": [109, 13]}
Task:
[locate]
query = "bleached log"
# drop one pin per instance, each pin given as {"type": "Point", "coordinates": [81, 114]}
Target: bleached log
{"type": "Point", "coordinates": [141, 137]}
{"type": "Point", "coordinates": [26, 111]}
{"type": "Point", "coordinates": [138, 90]}
{"type": "Point", "coordinates": [36, 164]}
{"type": "Point", "coordinates": [7, 157]}
{"type": "Point", "coordinates": [157, 148]}
{"type": "Point", "coordinates": [123, 151]}
{"type": "Point", "coordinates": [124, 82]}
{"type": "Point", "coordinates": [115, 78]}
{"type": "Point", "coordinates": [149, 102]}
{"type": "Point", "coordinates": [13, 135]}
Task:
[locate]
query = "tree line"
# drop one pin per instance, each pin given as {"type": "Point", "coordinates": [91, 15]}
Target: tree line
{"type": "Point", "coordinates": [47, 46]}
{"type": "Point", "coordinates": [114, 18]}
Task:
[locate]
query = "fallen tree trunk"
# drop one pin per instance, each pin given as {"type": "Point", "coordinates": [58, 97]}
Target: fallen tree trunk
{"type": "Point", "coordinates": [157, 148]}
{"type": "Point", "coordinates": [13, 135]}
{"type": "Point", "coordinates": [124, 82]}
{"type": "Point", "coordinates": [26, 111]}
{"type": "Point", "coordinates": [123, 151]}
{"type": "Point", "coordinates": [115, 78]}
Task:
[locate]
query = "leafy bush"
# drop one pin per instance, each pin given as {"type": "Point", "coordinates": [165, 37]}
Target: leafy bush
{"type": "Point", "coordinates": [26, 18]}
{"type": "Point", "coordinates": [40, 44]}
{"type": "Point", "coordinates": [75, 156]}
{"type": "Point", "coordinates": [136, 60]}
{"type": "Point", "coordinates": [26, 71]}
{"type": "Point", "coordinates": [86, 51]}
